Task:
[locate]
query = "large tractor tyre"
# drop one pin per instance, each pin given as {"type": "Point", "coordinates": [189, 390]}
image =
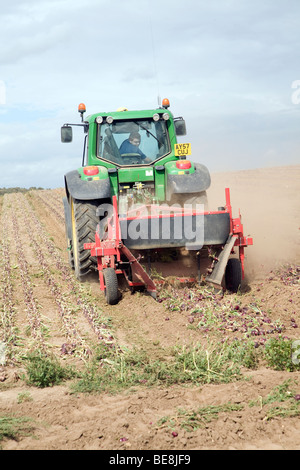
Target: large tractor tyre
{"type": "Point", "coordinates": [68, 230]}
{"type": "Point", "coordinates": [69, 249]}
{"type": "Point", "coordinates": [111, 286]}
{"type": "Point", "coordinates": [233, 274]}
{"type": "Point", "coordinates": [84, 222]}
{"type": "Point", "coordinates": [70, 254]}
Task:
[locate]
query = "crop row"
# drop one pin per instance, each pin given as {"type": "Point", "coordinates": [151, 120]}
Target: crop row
{"type": "Point", "coordinates": [52, 203]}
{"type": "Point", "coordinates": [33, 311]}
{"type": "Point", "coordinates": [8, 330]}
{"type": "Point", "coordinates": [67, 293]}
{"type": "Point", "coordinates": [91, 313]}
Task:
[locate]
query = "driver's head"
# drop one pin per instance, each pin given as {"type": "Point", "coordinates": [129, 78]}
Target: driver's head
{"type": "Point", "coordinates": [135, 138]}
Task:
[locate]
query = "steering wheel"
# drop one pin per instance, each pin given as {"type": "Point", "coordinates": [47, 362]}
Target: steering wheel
{"type": "Point", "coordinates": [132, 157]}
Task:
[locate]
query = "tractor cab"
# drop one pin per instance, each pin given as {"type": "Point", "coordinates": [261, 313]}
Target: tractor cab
{"type": "Point", "coordinates": [134, 141]}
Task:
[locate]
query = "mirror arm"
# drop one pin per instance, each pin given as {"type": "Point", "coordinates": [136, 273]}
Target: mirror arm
{"type": "Point", "coordinates": [84, 124]}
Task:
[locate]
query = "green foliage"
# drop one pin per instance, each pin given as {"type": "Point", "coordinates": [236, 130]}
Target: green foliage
{"type": "Point", "coordinates": [24, 397]}
{"type": "Point", "coordinates": [278, 354]}
{"type": "Point", "coordinates": [190, 420]}
{"type": "Point", "coordinates": [43, 371]}
{"type": "Point", "coordinates": [113, 370]}
{"type": "Point", "coordinates": [283, 401]}
{"type": "Point", "coordinates": [243, 353]}
{"type": "Point", "coordinates": [12, 427]}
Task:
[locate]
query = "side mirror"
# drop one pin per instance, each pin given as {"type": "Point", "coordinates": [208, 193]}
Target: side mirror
{"type": "Point", "coordinates": [66, 134]}
{"type": "Point", "coordinates": [180, 126]}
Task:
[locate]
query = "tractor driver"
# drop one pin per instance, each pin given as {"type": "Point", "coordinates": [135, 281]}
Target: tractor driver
{"type": "Point", "coordinates": [131, 145]}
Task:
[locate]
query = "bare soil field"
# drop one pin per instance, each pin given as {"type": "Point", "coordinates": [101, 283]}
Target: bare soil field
{"type": "Point", "coordinates": [43, 307]}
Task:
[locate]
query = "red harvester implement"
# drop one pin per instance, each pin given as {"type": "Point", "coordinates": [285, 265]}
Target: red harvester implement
{"type": "Point", "coordinates": [114, 257]}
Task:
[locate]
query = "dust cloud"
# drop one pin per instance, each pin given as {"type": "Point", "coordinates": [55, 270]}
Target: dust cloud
{"type": "Point", "coordinates": [268, 200]}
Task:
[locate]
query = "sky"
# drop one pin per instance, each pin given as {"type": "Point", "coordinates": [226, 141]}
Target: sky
{"type": "Point", "coordinates": [231, 68]}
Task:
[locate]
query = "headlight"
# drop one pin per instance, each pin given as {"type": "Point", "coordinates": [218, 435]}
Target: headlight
{"type": "Point", "coordinates": [109, 119]}
{"type": "Point", "coordinates": [166, 116]}
{"type": "Point", "coordinates": [155, 117]}
{"type": "Point", "coordinates": [99, 119]}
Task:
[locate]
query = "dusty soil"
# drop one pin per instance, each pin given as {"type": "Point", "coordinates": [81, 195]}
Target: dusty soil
{"type": "Point", "coordinates": [38, 289]}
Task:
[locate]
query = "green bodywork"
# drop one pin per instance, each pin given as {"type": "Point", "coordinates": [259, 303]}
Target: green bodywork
{"type": "Point", "coordinates": [157, 173]}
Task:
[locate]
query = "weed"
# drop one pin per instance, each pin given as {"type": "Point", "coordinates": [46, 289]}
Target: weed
{"type": "Point", "coordinates": [112, 370]}
{"type": "Point", "coordinates": [282, 402]}
{"type": "Point", "coordinates": [244, 353]}
{"type": "Point", "coordinates": [278, 354]}
{"type": "Point", "coordinates": [12, 427]}
{"type": "Point", "coordinates": [190, 420]}
{"type": "Point", "coordinates": [43, 371]}
{"type": "Point", "coordinates": [24, 397]}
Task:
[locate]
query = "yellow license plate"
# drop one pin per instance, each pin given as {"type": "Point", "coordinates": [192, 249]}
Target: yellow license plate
{"type": "Point", "coordinates": [182, 149]}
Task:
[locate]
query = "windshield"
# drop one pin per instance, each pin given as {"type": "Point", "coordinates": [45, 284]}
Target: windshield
{"type": "Point", "coordinates": [135, 142]}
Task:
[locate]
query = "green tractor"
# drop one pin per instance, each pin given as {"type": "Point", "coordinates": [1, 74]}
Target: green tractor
{"type": "Point", "coordinates": [132, 159]}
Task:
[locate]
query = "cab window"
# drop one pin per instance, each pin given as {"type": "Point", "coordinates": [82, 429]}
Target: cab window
{"type": "Point", "coordinates": [133, 142]}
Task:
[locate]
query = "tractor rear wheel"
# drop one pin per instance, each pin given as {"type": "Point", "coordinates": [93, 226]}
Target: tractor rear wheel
{"type": "Point", "coordinates": [111, 286]}
{"type": "Point", "coordinates": [233, 274]}
{"type": "Point", "coordinates": [84, 223]}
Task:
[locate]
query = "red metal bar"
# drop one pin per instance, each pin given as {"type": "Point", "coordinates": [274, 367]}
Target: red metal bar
{"type": "Point", "coordinates": [138, 271]}
{"type": "Point", "coordinates": [228, 207]}
{"type": "Point", "coordinates": [242, 257]}
{"type": "Point", "coordinates": [109, 251]}
{"type": "Point", "coordinates": [236, 228]}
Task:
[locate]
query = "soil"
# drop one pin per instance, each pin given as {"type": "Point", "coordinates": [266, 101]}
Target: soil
{"type": "Point", "coordinates": [36, 278]}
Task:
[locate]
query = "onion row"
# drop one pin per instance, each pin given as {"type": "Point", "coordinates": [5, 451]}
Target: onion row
{"type": "Point", "coordinates": [8, 330]}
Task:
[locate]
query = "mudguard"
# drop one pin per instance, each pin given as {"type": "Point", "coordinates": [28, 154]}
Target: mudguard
{"type": "Point", "coordinates": [86, 190]}
{"type": "Point", "coordinates": [188, 183]}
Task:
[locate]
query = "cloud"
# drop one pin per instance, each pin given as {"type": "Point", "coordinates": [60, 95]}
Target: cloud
{"type": "Point", "coordinates": [227, 67]}
{"type": "Point", "coordinates": [36, 43]}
